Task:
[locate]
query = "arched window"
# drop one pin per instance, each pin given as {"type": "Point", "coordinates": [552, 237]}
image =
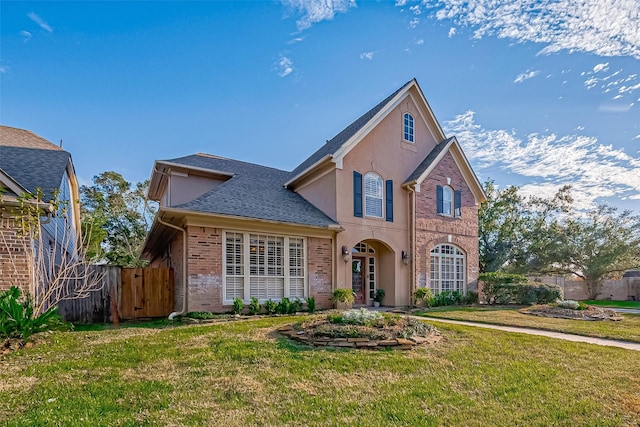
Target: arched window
{"type": "Point", "coordinates": [373, 195]}
{"type": "Point", "coordinates": [447, 264]}
{"type": "Point", "coordinates": [408, 127]}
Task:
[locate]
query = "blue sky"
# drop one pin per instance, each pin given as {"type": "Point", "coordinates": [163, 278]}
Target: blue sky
{"type": "Point", "coordinates": [539, 94]}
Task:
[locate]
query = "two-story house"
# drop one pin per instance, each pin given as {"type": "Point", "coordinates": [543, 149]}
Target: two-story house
{"type": "Point", "coordinates": [390, 202]}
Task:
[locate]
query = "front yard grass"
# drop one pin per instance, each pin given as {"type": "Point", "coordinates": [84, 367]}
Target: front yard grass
{"type": "Point", "coordinates": [242, 373]}
{"type": "Point", "coordinates": [626, 330]}
{"type": "Point", "coordinates": [616, 304]}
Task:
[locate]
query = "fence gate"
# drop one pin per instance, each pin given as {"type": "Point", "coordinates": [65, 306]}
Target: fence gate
{"type": "Point", "coordinates": [146, 292]}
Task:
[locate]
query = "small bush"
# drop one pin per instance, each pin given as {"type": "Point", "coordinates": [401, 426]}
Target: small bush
{"type": "Point", "coordinates": [343, 295]}
{"type": "Point", "coordinates": [238, 306]}
{"type": "Point", "coordinates": [573, 305]}
{"type": "Point", "coordinates": [470, 298]}
{"type": "Point", "coordinates": [447, 298]}
{"type": "Point", "coordinates": [254, 306]}
{"type": "Point", "coordinates": [204, 315]}
{"type": "Point", "coordinates": [311, 305]}
{"type": "Point", "coordinates": [526, 293]}
{"type": "Point", "coordinates": [17, 317]}
{"type": "Point", "coordinates": [361, 316]}
{"type": "Point", "coordinates": [379, 295]}
{"type": "Point", "coordinates": [271, 306]}
{"type": "Point", "coordinates": [424, 295]}
{"type": "Point", "coordinates": [495, 279]}
{"type": "Point", "coordinates": [286, 306]}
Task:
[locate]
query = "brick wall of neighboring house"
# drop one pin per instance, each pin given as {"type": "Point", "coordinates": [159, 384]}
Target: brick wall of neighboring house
{"type": "Point", "coordinates": [320, 272]}
{"type": "Point", "coordinates": [433, 229]}
{"type": "Point", "coordinates": [14, 259]}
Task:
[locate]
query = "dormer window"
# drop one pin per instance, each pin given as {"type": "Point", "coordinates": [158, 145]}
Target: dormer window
{"type": "Point", "coordinates": [408, 127]}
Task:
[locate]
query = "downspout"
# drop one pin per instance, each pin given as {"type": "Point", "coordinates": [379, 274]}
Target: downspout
{"type": "Point", "coordinates": [412, 241]}
{"type": "Point", "coordinates": [184, 267]}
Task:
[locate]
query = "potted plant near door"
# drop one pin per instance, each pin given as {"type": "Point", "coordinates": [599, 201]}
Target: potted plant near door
{"type": "Point", "coordinates": [343, 298]}
{"type": "Point", "coordinates": [378, 297]}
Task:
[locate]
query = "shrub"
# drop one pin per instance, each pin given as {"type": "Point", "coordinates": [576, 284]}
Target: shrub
{"type": "Point", "coordinates": [271, 307]}
{"type": "Point", "coordinates": [360, 316]}
{"type": "Point", "coordinates": [311, 304]}
{"type": "Point", "coordinates": [17, 317]}
{"type": "Point", "coordinates": [470, 298]}
{"type": "Point", "coordinates": [379, 295]}
{"type": "Point", "coordinates": [570, 304]}
{"type": "Point", "coordinates": [424, 295]}
{"type": "Point", "coordinates": [254, 306]}
{"type": "Point", "coordinates": [447, 298]}
{"type": "Point", "coordinates": [238, 305]}
{"type": "Point", "coordinates": [343, 295]}
{"type": "Point", "coordinates": [525, 293]}
{"type": "Point", "coordinates": [497, 278]}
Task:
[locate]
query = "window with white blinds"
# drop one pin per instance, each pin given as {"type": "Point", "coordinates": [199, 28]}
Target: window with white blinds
{"type": "Point", "coordinates": [373, 195]}
{"type": "Point", "coordinates": [263, 266]}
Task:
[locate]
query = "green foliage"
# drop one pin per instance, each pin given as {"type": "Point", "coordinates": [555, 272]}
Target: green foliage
{"type": "Point", "coordinates": [493, 279]}
{"type": "Point", "coordinates": [525, 293]}
{"type": "Point", "coordinates": [204, 315]}
{"type": "Point", "coordinates": [254, 306]}
{"type": "Point", "coordinates": [379, 295]}
{"type": "Point", "coordinates": [271, 307]}
{"type": "Point", "coordinates": [18, 319]}
{"type": "Point", "coordinates": [416, 327]}
{"type": "Point", "coordinates": [343, 295]}
{"type": "Point", "coordinates": [311, 305]}
{"type": "Point", "coordinates": [571, 304]}
{"type": "Point", "coordinates": [446, 298]}
{"type": "Point", "coordinates": [470, 298]}
{"type": "Point", "coordinates": [424, 296]}
{"type": "Point", "coordinates": [115, 219]}
{"type": "Point", "coordinates": [238, 306]}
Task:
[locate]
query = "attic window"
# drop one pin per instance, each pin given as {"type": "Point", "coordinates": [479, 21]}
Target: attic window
{"type": "Point", "coordinates": [408, 127]}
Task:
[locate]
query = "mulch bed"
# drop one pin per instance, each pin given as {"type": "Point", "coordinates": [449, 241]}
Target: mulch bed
{"type": "Point", "coordinates": [590, 313]}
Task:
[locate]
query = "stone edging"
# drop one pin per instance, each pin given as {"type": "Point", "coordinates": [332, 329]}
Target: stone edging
{"type": "Point", "coordinates": [361, 343]}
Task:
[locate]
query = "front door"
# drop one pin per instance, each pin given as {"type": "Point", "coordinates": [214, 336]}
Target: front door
{"type": "Point", "coordinates": [357, 279]}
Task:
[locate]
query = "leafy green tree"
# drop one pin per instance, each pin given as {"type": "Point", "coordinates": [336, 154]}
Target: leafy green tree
{"type": "Point", "coordinates": [595, 247]}
{"type": "Point", "coordinates": [116, 217]}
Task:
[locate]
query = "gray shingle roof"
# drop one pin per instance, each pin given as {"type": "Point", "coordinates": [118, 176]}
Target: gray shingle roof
{"type": "Point", "coordinates": [424, 165]}
{"type": "Point", "coordinates": [32, 161]}
{"type": "Point", "coordinates": [254, 191]}
{"type": "Point", "coordinates": [338, 141]}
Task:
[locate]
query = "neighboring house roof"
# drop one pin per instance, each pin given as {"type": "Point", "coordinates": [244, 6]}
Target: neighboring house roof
{"type": "Point", "coordinates": [253, 191]}
{"type": "Point", "coordinates": [31, 161]}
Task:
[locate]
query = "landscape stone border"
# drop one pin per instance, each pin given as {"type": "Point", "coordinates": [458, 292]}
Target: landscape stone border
{"type": "Point", "coordinates": [358, 343]}
{"type": "Point", "coordinates": [591, 313]}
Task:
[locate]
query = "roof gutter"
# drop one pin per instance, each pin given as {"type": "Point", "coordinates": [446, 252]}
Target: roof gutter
{"type": "Point", "coordinates": [184, 267]}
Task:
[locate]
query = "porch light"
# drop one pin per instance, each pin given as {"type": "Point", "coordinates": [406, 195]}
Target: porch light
{"type": "Point", "coordinates": [405, 258]}
{"type": "Point", "coordinates": [345, 254]}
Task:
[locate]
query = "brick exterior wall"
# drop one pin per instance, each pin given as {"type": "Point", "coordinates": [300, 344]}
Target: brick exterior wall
{"type": "Point", "coordinates": [320, 271]}
{"type": "Point", "coordinates": [433, 229]}
{"type": "Point", "coordinates": [204, 267]}
{"type": "Point", "coordinates": [14, 260]}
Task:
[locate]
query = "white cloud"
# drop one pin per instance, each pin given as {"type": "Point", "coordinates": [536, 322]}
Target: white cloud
{"type": "Point", "coordinates": [601, 67]}
{"type": "Point", "coordinates": [284, 66]}
{"type": "Point", "coordinates": [41, 23]}
{"type": "Point", "coordinates": [452, 32]}
{"type": "Point", "coordinates": [525, 76]}
{"type": "Point", "coordinates": [26, 35]}
{"type": "Point", "coordinates": [366, 55]}
{"type": "Point", "coordinates": [614, 108]}
{"type": "Point", "coordinates": [314, 11]}
{"type": "Point", "coordinates": [414, 22]}
{"type": "Point", "coordinates": [401, 3]}
{"type": "Point", "coordinates": [550, 161]}
{"type": "Point", "coordinates": [4, 70]}
{"type": "Point", "coordinates": [295, 40]}
{"type": "Point", "coordinates": [603, 27]}
{"type": "Point", "coordinates": [415, 9]}
{"type": "Point", "coordinates": [420, 41]}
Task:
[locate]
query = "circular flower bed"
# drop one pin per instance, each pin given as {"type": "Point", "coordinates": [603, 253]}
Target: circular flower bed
{"type": "Point", "coordinates": [566, 310]}
{"type": "Point", "coordinates": [363, 329]}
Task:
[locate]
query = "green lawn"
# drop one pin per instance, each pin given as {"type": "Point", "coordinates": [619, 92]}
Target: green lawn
{"type": "Point", "coordinates": [627, 330]}
{"type": "Point", "coordinates": [616, 304]}
{"type": "Point", "coordinates": [241, 373]}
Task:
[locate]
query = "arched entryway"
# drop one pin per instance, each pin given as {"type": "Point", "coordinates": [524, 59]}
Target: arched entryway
{"type": "Point", "coordinates": [372, 268]}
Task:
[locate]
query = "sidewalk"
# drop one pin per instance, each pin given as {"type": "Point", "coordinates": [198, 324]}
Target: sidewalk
{"type": "Point", "coordinates": [559, 335]}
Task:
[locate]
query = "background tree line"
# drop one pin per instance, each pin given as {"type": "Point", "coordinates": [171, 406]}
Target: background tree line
{"type": "Point", "coordinates": [537, 235]}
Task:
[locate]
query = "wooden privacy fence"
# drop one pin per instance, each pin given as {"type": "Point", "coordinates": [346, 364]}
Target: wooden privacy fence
{"type": "Point", "coordinates": [133, 292]}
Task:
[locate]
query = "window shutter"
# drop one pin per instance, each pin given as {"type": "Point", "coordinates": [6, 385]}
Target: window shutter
{"type": "Point", "coordinates": [458, 203]}
{"type": "Point", "coordinates": [357, 194]}
{"type": "Point", "coordinates": [388, 195]}
{"type": "Point", "coordinates": [439, 202]}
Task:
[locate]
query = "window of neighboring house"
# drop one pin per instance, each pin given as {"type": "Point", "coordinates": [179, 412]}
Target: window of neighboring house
{"type": "Point", "coordinates": [448, 202]}
{"type": "Point", "coordinates": [373, 195]}
{"type": "Point", "coordinates": [408, 127]}
{"type": "Point", "coordinates": [447, 265]}
{"type": "Point", "coordinates": [263, 266]}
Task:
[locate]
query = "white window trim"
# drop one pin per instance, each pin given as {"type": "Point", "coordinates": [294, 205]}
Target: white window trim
{"type": "Point", "coordinates": [450, 203]}
{"type": "Point", "coordinates": [367, 196]}
{"type": "Point", "coordinates": [413, 128]}
{"type": "Point", "coordinates": [247, 265]}
{"type": "Point", "coordinates": [437, 287]}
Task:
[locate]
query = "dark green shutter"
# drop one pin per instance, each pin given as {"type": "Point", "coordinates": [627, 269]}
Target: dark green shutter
{"type": "Point", "coordinates": [458, 203]}
{"type": "Point", "coordinates": [357, 194]}
{"type": "Point", "coordinates": [439, 202]}
{"type": "Point", "coordinates": [388, 194]}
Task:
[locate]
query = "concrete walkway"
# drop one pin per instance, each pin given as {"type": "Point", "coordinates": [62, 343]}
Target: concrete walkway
{"type": "Point", "coordinates": [559, 335]}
